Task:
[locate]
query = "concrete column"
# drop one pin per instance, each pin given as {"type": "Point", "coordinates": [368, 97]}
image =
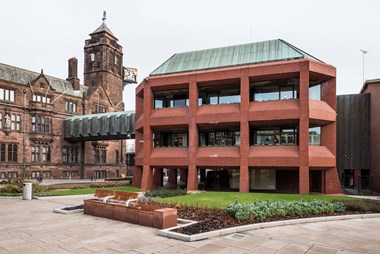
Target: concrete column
{"type": "Point", "coordinates": [147, 178]}
{"type": "Point", "coordinates": [192, 181]}
{"type": "Point", "coordinates": [146, 181]}
{"type": "Point", "coordinates": [136, 181]}
{"type": "Point", "coordinates": [329, 137]}
{"type": "Point", "coordinates": [244, 131]}
{"type": "Point", "coordinates": [157, 177]}
{"type": "Point", "coordinates": [304, 128]}
{"type": "Point", "coordinates": [172, 176]}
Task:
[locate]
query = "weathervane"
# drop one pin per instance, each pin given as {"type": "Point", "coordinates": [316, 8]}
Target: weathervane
{"type": "Point", "coordinates": [104, 16]}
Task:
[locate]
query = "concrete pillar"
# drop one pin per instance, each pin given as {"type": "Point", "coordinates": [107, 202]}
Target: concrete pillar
{"type": "Point", "coordinates": [244, 131]}
{"type": "Point", "coordinates": [136, 181]}
{"type": "Point", "coordinates": [172, 176]}
{"type": "Point", "coordinates": [147, 178]}
{"type": "Point", "coordinates": [157, 177]}
{"type": "Point", "coordinates": [192, 181]}
{"type": "Point", "coordinates": [333, 185]}
{"type": "Point", "coordinates": [304, 128]}
{"type": "Point", "coordinates": [147, 181]}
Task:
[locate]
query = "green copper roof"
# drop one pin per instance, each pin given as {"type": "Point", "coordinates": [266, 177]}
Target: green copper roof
{"type": "Point", "coordinates": [251, 53]}
{"type": "Point", "coordinates": [103, 126]}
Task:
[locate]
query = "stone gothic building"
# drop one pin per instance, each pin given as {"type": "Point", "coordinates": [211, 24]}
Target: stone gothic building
{"type": "Point", "coordinates": [33, 106]}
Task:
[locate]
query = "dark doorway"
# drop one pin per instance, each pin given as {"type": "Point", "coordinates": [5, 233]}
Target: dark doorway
{"type": "Point", "coordinates": [315, 181]}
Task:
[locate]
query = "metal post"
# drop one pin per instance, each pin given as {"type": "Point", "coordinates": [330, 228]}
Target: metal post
{"type": "Point", "coordinates": [23, 138]}
{"type": "Point", "coordinates": [364, 52]}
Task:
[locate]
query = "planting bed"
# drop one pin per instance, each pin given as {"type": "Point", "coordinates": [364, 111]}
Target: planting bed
{"type": "Point", "coordinates": [215, 219]}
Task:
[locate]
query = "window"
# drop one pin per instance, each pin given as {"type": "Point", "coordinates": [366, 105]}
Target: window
{"type": "Point", "coordinates": [275, 136]}
{"type": "Point", "coordinates": [219, 95]}
{"type": "Point", "coordinates": [70, 173]}
{"type": "Point", "coordinates": [12, 175]}
{"type": "Point", "coordinates": [45, 153]}
{"type": "Point", "coordinates": [1, 120]}
{"type": "Point", "coordinates": [171, 99]}
{"type": "Point", "coordinates": [7, 95]}
{"type": "Point", "coordinates": [18, 122]}
{"type": "Point", "coordinates": [263, 179]}
{"type": "Point", "coordinates": [12, 152]}
{"type": "Point", "coordinates": [100, 155]}
{"type": "Point", "coordinates": [97, 108]}
{"type": "Point", "coordinates": [35, 154]}
{"type": "Point", "coordinates": [117, 158]}
{"type": "Point", "coordinates": [13, 122]}
{"type": "Point", "coordinates": [170, 139]}
{"type": "Point", "coordinates": [274, 90]}
{"type": "Point", "coordinates": [70, 106]}
{"type": "Point", "coordinates": [9, 152]}
{"type": "Point", "coordinates": [315, 136]}
{"type": "Point", "coordinates": [2, 152]}
{"type": "Point", "coordinates": [70, 154]}
{"type": "Point", "coordinates": [315, 91]}
{"type": "Point", "coordinates": [41, 124]}
{"type": "Point", "coordinates": [41, 98]}
{"type": "Point", "coordinates": [219, 138]}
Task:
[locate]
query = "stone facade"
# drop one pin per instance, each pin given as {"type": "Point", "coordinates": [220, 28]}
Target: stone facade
{"type": "Point", "coordinates": [34, 105]}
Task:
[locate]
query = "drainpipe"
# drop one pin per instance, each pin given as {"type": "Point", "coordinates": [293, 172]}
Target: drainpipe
{"type": "Point", "coordinates": [82, 146]}
{"type": "Point", "coordinates": [23, 137]}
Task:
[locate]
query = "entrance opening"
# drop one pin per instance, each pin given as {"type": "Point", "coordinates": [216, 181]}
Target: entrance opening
{"type": "Point", "coordinates": [315, 182]}
{"type": "Point", "coordinates": [220, 179]}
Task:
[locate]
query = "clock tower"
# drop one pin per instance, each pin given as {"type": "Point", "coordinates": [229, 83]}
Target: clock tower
{"type": "Point", "coordinates": [103, 72]}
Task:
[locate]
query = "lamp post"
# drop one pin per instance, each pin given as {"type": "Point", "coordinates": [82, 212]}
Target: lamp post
{"type": "Point", "coordinates": [364, 52]}
{"type": "Point", "coordinates": [25, 91]}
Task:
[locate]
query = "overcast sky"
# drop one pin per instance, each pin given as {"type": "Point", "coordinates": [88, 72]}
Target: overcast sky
{"type": "Point", "coordinates": [45, 33]}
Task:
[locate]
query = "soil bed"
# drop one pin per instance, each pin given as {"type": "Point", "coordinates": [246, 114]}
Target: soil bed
{"type": "Point", "coordinates": [71, 208]}
{"type": "Point", "coordinates": [214, 219]}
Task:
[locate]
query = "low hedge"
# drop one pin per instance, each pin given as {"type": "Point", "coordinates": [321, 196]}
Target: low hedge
{"type": "Point", "coordinates": [165, 193]}
{"type": "Point", "coordinates": [362, 205]}
{"type": "Point", "coordinates": [261, 210]}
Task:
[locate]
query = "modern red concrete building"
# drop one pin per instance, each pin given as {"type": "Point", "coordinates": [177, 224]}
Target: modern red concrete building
{"type": "Point", "coordinates": [258, 116]}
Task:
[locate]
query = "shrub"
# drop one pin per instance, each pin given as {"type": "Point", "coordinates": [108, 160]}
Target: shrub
{"type": "Point", "coordinates": [362, 205]}
{"type": "Point", "coordinates": [165, 193]}
{"type": "Point", "coordinates": [261, 210]}
{"type": "Point", "coordinates": [17, 185]}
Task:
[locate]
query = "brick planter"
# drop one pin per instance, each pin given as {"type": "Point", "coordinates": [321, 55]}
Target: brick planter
{"type": "Point", "coordinates": [142, 214]}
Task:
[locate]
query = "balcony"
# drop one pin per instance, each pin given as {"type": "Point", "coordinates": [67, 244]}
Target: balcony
{"type": "Point", "coordinates": [320, 156]}
{"type": "Point", "coordinates": [218, 156]}
{"type": "Point", "coordinates": [321, 113]}
{"type": "Point", "coordinates": [172, 156]}
{"type": "Point", "coordinates": [273, 156]}
{"type": "Point", "coordinates": [169, 116]}
{"type": "Point", "coordinates": [274, 112]}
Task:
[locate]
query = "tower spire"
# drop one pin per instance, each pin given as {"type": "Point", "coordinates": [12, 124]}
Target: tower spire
{"type": "Point", "coordinates": [104, 16]}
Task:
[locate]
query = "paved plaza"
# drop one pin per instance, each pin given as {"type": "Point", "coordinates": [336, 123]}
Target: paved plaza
{"type": "Point", "coordinates": [32, 227]}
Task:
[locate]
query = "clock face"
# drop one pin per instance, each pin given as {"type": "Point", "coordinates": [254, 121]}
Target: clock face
{"type": "Point", "coordinates": [130, 75]}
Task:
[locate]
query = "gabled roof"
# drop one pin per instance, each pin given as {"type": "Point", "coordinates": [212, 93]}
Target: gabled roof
{"type": "Point", "coordinates": [26, 77]}
{"type": "Point", "coordinates": [251, 53]}
{"type": "Point", "coordinates": [103, 28]}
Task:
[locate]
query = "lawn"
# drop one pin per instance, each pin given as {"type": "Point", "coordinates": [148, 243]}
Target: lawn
{"type": "Point", "coordinates": [87, 191]}
{"type": "Point", "coordinates": [223, 199]}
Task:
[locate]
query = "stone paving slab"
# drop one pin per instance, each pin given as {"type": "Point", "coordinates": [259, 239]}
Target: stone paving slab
{"type": "Point", "coordinates": [31, 227]}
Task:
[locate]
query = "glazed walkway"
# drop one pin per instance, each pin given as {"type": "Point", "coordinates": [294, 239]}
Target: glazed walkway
{"type": "Point", "coordinates": [32, 227]}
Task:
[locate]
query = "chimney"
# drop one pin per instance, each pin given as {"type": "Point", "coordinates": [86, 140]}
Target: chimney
{"type": "Point", "coordinates": [73, 73]}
